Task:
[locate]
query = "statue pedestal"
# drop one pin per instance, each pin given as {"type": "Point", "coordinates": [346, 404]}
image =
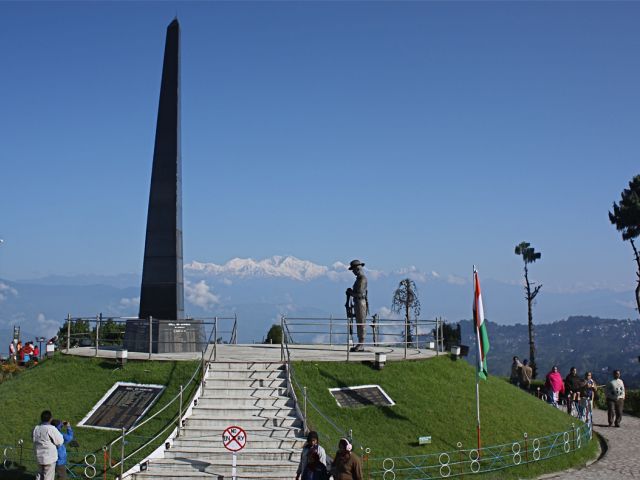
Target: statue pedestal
{"type": "Point", "coordinates": [167, 336]}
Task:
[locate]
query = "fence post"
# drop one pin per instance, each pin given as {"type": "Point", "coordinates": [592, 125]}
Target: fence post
{"type": "Point", "coordinates": [202, 374]}
{"type": "Point", "coordinates": [348, 336]}
{"type": "Point", "coordinates": [406, 336]}
{"type": "Point", "coordinates": [150, 336]}
{"type": "Point", "coordinates": [215, 338]}
{"type": "Point", "coordinates": [331, 330]}
{"type": "Point", "coordinates": [437, 339]}
{"type": "Point", "coordinates": [235, 328]}
{"type": "Point", "coordinates": [282, 338]}
{"type": "Point", "coordinates": [180, 412]}
{"type": "Point", "coordinates": [122, 455]}
{"type": "Point", "coordinates": [68, 332]}
{"type": "Point", "coordinates": [98, 322]}
{"type": "Point", "coordinates": [304, 422]}
{"type": "Point", "coordinates": [104, 462]}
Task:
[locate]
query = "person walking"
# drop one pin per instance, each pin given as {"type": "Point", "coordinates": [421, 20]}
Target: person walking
{"type": "Point", "coordinates": [525, 374]}
{"type": "Point", "coordinates": [12, 352]}
{"type": "Point", "coordinates": [46, 440]}
{"type": "Point", "coordinates": [313, 460]}
{"type": "Point", "coordinates": [554, 386]}
{"type": "Point", "coordinates": [573, 386]}
{"type": "Point", "coordinates": [67, 436]}
{"type": "Point", "coordinates": [615, 393]}
{"type": "Point", "coordinates": [514, 378]}
{"type": "Point", "coordinates": [346, 464]}
{"type": "Point", "coordinates": [589, 392]}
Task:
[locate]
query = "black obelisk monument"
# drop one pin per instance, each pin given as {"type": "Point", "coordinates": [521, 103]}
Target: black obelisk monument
{"type": "Point", "coordinates": [162, 292]}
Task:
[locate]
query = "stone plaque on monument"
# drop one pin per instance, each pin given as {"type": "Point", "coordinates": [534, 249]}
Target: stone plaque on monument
{"type": "Point", "coordinates": [361, 396]}
{"type": "Point", "coordinates": [122, 406]}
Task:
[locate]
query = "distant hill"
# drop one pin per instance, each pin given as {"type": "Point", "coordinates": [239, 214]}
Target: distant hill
{"type": "Point", "coordinates": [587, 343]}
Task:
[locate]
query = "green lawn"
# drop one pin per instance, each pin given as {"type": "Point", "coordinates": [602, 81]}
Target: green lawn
{"type": "Point", "coordinates": [70, 386]}
{"type": "Point", "coordinates": [433, 397]}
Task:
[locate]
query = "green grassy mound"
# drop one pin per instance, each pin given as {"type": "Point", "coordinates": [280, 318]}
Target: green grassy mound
{"type": "Point", "coordinates": [70, 386]}
{"type": "Point", "coordinates": [436, 398]}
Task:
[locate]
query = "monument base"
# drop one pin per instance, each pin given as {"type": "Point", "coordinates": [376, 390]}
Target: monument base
{"type": "Point", "coordinates": [167, 336]}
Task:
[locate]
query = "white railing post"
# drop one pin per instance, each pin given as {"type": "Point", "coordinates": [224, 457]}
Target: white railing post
{"type": "Point", "coordinates": [122, 455]}
{"type": "Point", "coordinates": [98, 322]}
{"type": "Point", "coordinates": [180, 411]}
{"type": "Point", "coordinates": [282, 338]}
{"type": "Point", "coordinates": [304, 420]}
{"type": "Point", "coordinates": [68, 332]}
{"type": "Point", "coordinates": [330, 330]}
{"type": "Point", "coordinates": [215, 338]}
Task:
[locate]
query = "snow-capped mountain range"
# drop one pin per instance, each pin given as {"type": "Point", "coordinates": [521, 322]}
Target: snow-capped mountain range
{"type": "Point", "coordinates": [259, 291]}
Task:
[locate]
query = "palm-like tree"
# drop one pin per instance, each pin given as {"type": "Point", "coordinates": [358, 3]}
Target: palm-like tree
{"type": "Point", "coordinates": [405, 299]}
{"type": "Point", "coordinates": [626, 218]}
{"type": "Point", "coordinates": [529, 255]}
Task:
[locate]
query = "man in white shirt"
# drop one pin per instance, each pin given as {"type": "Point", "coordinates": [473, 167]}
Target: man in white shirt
{"type": "Point", "coordinates": [615, 398]}
{"type": "Point", "coordinates": [46, 440]}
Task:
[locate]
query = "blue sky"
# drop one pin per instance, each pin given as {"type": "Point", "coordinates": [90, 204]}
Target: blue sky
{"type": "Point", "coordinates": [421, 133]}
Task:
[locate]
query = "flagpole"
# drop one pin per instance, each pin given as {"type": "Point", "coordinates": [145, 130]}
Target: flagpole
{"type": "Point", "coordinates": [478, 357]}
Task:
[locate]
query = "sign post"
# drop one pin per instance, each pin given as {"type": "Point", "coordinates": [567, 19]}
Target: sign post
{"type": "Point", "coordinates": [234, 439]}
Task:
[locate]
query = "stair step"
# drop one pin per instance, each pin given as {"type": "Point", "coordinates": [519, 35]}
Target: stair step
{"type": "Point", "coordinates": [224, 383]}
{"type": "Point", "coordinates": [256, 402]}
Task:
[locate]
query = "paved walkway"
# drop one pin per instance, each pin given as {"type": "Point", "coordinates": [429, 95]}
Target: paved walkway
{"type": "Point", "coordinates": [622, 458]}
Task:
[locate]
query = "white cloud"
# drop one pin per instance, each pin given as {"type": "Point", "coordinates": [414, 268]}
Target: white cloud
{"type": "Point", "coordinates": [200, 294]}
{"type": "Point", "coordinates": [130, 302]}
{"type": "Point", "coordinates": [413, 273]}
{"type": "Point", "coordinates": [628, 304]}
{"type": "Point", "coordinates": [6, 291]}
{"type": "Point", "coordinates": [388, 314]}
{"type": "Point", "coordinates": [47, 327]}
{"type": "Point", "coordinates": [455, 280]}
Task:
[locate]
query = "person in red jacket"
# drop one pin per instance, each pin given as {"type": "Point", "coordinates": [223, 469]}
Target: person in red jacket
{"type": "Point", "coordinates": [554, 385]}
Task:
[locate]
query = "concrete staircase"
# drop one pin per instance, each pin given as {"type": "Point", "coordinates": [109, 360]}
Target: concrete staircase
{"type": "Point", "coordinates": [251, 396]}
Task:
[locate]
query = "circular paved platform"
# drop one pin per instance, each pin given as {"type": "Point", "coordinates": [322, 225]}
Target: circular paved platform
{"type": "Point", "coordinates": [269, 353]}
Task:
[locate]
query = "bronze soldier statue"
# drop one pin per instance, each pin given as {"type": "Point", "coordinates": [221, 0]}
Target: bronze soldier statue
{"type": "Point", "coordinates": [358, 296]}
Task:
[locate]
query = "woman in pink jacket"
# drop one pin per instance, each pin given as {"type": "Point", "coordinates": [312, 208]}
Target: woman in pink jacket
{"type": "Point", "coordinates": [554, 385]}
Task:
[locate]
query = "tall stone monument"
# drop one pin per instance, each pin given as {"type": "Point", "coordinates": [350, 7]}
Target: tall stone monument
{"type": "Point", "coordinates": [161, 326]}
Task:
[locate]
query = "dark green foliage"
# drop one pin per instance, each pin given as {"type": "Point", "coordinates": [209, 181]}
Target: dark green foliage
{"type": "Point", "coordinates": [80, 329]}
{"type": "Point", "coordinates": [451, 334]}
{"type": "Point", "coordinates": [626, 214]}
{"type": "Point", "coordinates": [529, 254]}
{"type": "Point", "coordinates": [274, 335]}
{"type": "Point", "coordinates": [626, 218]}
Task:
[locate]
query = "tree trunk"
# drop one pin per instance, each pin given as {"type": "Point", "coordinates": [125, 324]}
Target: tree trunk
{"type": "Point", "coordinates": [406, 322]}
{"type": "Point", "coordinates": [635, 252]}
{"type": "Point", "coordinates": [532, 346]}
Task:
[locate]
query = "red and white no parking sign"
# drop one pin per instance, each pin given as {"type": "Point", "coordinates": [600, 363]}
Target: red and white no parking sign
{"type": "Point", "coordinates": [234, 438]}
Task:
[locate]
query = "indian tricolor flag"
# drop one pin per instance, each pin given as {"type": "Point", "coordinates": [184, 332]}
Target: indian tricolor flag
{"type": "Point", "coordinates": [481, 328]}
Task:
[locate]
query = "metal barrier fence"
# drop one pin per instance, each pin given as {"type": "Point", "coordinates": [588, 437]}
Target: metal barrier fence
{"type": "Point", "coordinates": [457, 463]}
{"type": "Point", "coordinates": [108, 332]}
{"type": "Point", "coordinates": [425, 333]}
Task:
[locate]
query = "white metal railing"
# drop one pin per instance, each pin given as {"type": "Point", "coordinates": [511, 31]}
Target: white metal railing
{"type": "Point", "coordinates": [415, 334]}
